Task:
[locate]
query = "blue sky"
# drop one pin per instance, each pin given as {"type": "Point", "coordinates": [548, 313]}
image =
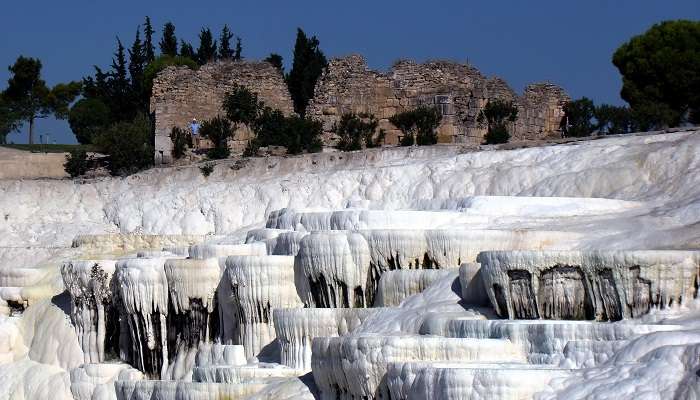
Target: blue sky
{"type": "Point", "coordinates": [566, 42]}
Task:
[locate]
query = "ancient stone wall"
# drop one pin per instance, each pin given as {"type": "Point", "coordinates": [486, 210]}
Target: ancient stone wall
{"type": "Point", "coordinates": [460, 92]}
{"type": "Point", "coordinates": [180, 94]}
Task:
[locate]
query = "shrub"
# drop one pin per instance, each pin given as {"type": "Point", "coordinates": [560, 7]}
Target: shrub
{"type": "Point", "coordinates": [354, 130]}
{"type": "Point", "coordinates": [302, 134]}
{"type": "Point", "coordinates": [496, 116]}
{"type": "Point", "coordinates": [128, 146]}
{"type": "Point", "coordinates": [218, 130]}
{"type": "Point", "coordinates": [87, 118]}
{"type": "Point", "coordinates": [181, 139]}
{"type": "Point", "coordinates": [207, 169]}
{"type": "Point", "coordinates": [242, 106]}
{"type": "Point", "coordinates": [77, 162]}
{"type": "Point", "coordinates": [418, 125]}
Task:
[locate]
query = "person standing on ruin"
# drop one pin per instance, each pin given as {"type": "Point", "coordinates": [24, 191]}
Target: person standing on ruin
{"type": "Point", "coordinates": [194, 127]}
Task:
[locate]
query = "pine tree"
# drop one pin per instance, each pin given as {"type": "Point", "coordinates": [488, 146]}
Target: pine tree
{"type": "Point", "coordinates": [149, 49]}
{"type": "Point", "coordinates": [168, 43]}
{"type": "Point", "coordinates": [239, 49]}
{"type": "Point", "coordinates": [225, 51]}
{"type": "Point", "coordinates": [309, 62]}
{"type": "Point", "coordinates": [186, 50]}
{"type": "Point", "coordinates": [207, 47]}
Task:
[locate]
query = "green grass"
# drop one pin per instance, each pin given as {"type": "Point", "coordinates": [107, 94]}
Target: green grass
{"type": "Point", "coordinates": [49, 148]}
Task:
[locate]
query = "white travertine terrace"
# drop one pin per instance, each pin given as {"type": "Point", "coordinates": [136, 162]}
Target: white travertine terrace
{"type": "Point", "coordinates": [454, 381]}
{"type": "Point", "coordinates": [473, 291]}
{"type": "Point", "coordinates": [354, 367]}
{"type": "Point", "coordinates": [569, 236]}
{"type": "Point", "coordinates": [601, 285]}
{"type": "Point", "coordinates": [89, 283]}
{"type": "Point", "coordinates": [143, 291]}
{"type": "Point", "coordinates": [395, 286]}
{"type": "Point", "coordinates": [297, 327]}
{"type": "Point", "coordinates": [259, 285]}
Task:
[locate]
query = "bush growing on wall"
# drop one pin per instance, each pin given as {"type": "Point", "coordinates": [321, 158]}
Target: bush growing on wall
{"type": "Point", "coordinates": [181, 140]}
{"type": "Point", "coordinates": [418, 125]}
{"type": "Point", "coordinates": [77, 163]}
{"type": "Point", "coordinates": [218, 130]}
{"type": "Point", "coordinates": [354, 130]}
{"type": "Point", "coordinates": [496, 116]}
{"type": "Point", "coordinates": [271, 127]}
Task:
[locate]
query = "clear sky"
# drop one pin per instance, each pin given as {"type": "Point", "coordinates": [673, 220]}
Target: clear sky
{"type": "Point", "coordinates": [568, 42]}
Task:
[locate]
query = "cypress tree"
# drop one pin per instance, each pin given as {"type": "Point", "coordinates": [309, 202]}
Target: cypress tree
{"type": "Point", "coordinates": [137, 61]}
{"type": "Point", "coordinates": [309, 62]}
{"type": "Point", "coordinates": [149, 50]}
{"type": "Point", "coordinates": [207, 47]}
{"type": "Point", "coordinates": [225, 51]}
{"type": "Point", "coordinates": [119, 85]}
{"type": "Point", "coordinates": [168, 43]}
{"type": "Point", "coordinates": [137, 64]}
{"type": "Point", "coordinates": [239, 49]}
{"type": "Point", "coordinates": [186, 50]}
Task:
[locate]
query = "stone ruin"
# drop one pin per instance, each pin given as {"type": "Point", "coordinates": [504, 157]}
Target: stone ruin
{"type": "Point", "coordinates": [460, 91]}
{"type": "Point", "coordinates": [180, 94]}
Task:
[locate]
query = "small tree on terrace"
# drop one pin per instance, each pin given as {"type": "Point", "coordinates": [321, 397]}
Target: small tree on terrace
{"type": "Point", "coordinates": [418, 125]}
{"type": "Point", "coordinates": [218, 130]}
{"type": "Point", "coordinates": [354, 130]}
{"type": "Point", "coordinates": [496, 116]}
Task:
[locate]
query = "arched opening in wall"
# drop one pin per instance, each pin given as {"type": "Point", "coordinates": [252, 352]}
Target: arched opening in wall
{"type": "Point", "coordinates": [611, 306]}
{"type": "Point", "coordinates": [522, 296]}
{"type": "Point", "coordinates": [563, 294]}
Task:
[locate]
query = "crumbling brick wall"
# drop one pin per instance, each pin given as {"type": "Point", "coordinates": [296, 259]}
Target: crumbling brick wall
{"type": "Point", "coordinates": [180, 94]}
{"type": "Point", "coordinates": [460, 91]}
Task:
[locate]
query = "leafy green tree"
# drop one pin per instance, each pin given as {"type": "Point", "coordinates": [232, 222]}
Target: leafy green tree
{"type": "Point", "coordinates": [218, 130]}
{"type": "Point", "coordinates": [355, 130]}
{"type": "Point", "coordinates": [614, 120]}
{"type": "Point", "coordinates": [149, 49]}
{"type": "Point", "coordinates": [207, 47]}
{"type": "Point", "coordinates": [77, 162]}
{"type": "Point", "coordinates": [8, 121]}
{"type": "Point", "coordinates": [242, 106]}
{"type": "Point", "coordinates": [88, 118]}
{"type": "Point", "coordinates": [418, 125]}
{"type": "Point", "coordinates": [661, 73]}
{"type": "Point", "coordinates": [276, 61]}
{"type": "Point", "coordinates": [187, 51]}
{"type": "Point", "coordinates": [237, 53]}
{"type": "Point", "coordinates": [495, 116]}
{"type": "Point", "coordinates": [308, 65]}
{"type": "Point", "coordinates": [28, 98]}
{"type": "Point", "coordinates": [578, 118]}
{"type": "Point", "coordinates": [168, 43]}
{"type": "Point", "coordinates": [225, 50]}
{"type": "Point", "coordinates": [160, 64]}
{"type": "Point", "coordinates": [127, 145]}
